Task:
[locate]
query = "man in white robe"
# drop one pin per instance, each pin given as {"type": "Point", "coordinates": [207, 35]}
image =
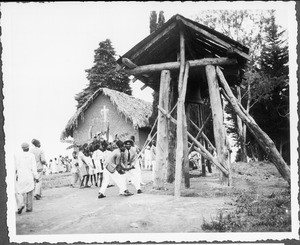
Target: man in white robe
{"type": "Point", "coordinates": [26, 174]}
{"type": "Point", "coordinates": [40, 161]}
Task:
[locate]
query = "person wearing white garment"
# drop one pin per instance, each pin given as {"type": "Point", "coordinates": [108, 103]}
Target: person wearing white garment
{"type": "Point", "coordinates": [107, 150]}
{"type": "Point", "coordinates": [26, 175]}
{"type": "Point", "coordinates": [40, 161]}
{"type": "Point", "coordinates": [83, 167]}
{"type": "Point", "coordinates": [98, 158]}
{"type": "Point", "coordinates": [111, 162]}
{"type": "Point", "coordinates": [75, 171]}
{"type": "Point", "coordinates": [91, 167]}
{"type": "Point", "coordinates": [138, 161]}
{"type": "Point", "coordinates": [147, 158]}
{"type": "Point", "coordinates": [133, 174]}
{"type": "Point", "coordinates": [153, 157]}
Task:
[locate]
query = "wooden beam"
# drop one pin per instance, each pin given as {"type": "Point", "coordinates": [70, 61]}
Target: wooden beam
{"type": "Point", "coordinates": [176, 65]}
{"type": "Point", "coordinates": [203, 134]}
{"type": "Point", "coordinates": [127, 62]}
{"type": "Point", "coordinates": [218, 119]}
{"type": "Point", "coordinates": [263, 139]}
{"type": "Point", "coordinates": [208, 142]}
{"type": "Point", "coordinates": [119, 67]}
{"type": "Point", "coordinates": [142, 79]}
{"type": "Point", "coordinates": [241, 127]}
{"type": "Point", "coordinates": [149, 138]}
{"type": "Point", "coordinates": [147, 142]}
{"type": "Point", "coordinates": [200, 130]}
{"type": "Point", "coordinates": [162, 146]}
{"type": "Point", "coordinates": [214, 38]}
{"type": "Point", "coordinates": [134, 80]}
{"type": "Point", "coordinates": [180, 119]}
{"type": "Point", "coordinates": [205, 152]}
{"type": "Point", "coordinates": [143, 87]}
{"type": "Point", "coordinates": [154, 40]}
{"type": "Point", "coordinates": [186, 166]}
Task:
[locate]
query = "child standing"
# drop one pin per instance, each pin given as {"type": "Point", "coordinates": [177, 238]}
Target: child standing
{"type": "Point", "coordinates": [75, 170]}
{"type": "Point", "coordinates": [91, 167]}
{"type": "Point", "coordinates": [98, 159]}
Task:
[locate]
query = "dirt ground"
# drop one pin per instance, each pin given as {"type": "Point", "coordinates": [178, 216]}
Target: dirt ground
{"type": "Point", "coordinates": [66, 210]}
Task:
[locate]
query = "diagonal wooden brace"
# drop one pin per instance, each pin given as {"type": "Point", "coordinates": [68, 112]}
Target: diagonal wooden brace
{"type": "Point", "coordinates": [205, 153]}
{"type": "Point", "coordinates": [200, 132]}
{"type": "Point", "coordinates": [263, 139]}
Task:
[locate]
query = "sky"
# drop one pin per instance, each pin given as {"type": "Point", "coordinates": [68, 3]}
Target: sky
{"type": "Point", "coordinates": [48, 46]}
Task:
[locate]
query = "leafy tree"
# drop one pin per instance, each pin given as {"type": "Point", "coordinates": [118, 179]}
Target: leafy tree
{"type": "Point", "coordinates": [244, 26]}
{"type": "Point", "coordinates": [255, 29]}
{"type": "Point", "coordinates": [104, 74]}
{"type": "Point", "coordinates": [271, 107]}
{"type": "Point", "coordinates": [235, 24]}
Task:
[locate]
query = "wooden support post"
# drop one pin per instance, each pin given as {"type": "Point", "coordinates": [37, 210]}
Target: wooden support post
{"type": "Point", "coordinates": [203, 152]}
{"type": "Point", "coordinates": [186, 164]}
{"type": "Point", "coordinates": [263, 139]}
{"type": "Point", "coordinates": [180, 118]}
{"type": "Point", "coordinates": [217, 114]}
{"type": "Point", "coordinates": [242, 140]}
{"type": "Point", "coordinates": [162, 147]}
{"type": "Point", "coordinates": [203, 160]}
{"type": "Point", "coordinates": [172, 136]}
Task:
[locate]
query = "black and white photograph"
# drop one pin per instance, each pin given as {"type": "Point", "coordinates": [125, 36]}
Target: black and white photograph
{"type": "Point", "coordinates": [150, 121]}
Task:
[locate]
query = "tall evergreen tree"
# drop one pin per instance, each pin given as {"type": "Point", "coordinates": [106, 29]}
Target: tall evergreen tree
{"type": "Point", "coordinates": [271, 109]}
{"type": "Point", "coordinates": [154, 25]}
{"type": "Point", "coordinates": [257, 30]}
{"type": "Point", "coordinates": [161, 19]}
{"type": "Point", "coordinates": [235, 24]}
{"type": "Point", "coordinates": [103, 74]}
{"type": "Point", "coordinates": [153, 21]}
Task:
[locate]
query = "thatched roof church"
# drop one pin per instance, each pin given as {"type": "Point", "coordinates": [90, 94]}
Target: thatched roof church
{"type": "Point", "coordinates": [109, 111]}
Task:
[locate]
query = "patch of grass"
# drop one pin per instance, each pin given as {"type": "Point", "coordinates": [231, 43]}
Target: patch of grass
{"type": "Point", "coordinates": [190, 194]}
{"type": "Point", "coordinates": [260, 170]}
{"type": "Point", "coordinates": [253, 213]}
{"type": "Point", "coordinates": [222, 223]}
{"type": "Point", "coordinates": [56, 180]}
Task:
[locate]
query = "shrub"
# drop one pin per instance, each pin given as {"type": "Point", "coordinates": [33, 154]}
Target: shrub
{"type": "Point", "coordinates": [255, 213]}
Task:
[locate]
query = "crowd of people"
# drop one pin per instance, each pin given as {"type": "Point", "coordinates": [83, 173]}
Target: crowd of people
{"type": "Point", "coordinates": [99, 163]}
{"type": "Point", "coordinates": [57, 165]}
